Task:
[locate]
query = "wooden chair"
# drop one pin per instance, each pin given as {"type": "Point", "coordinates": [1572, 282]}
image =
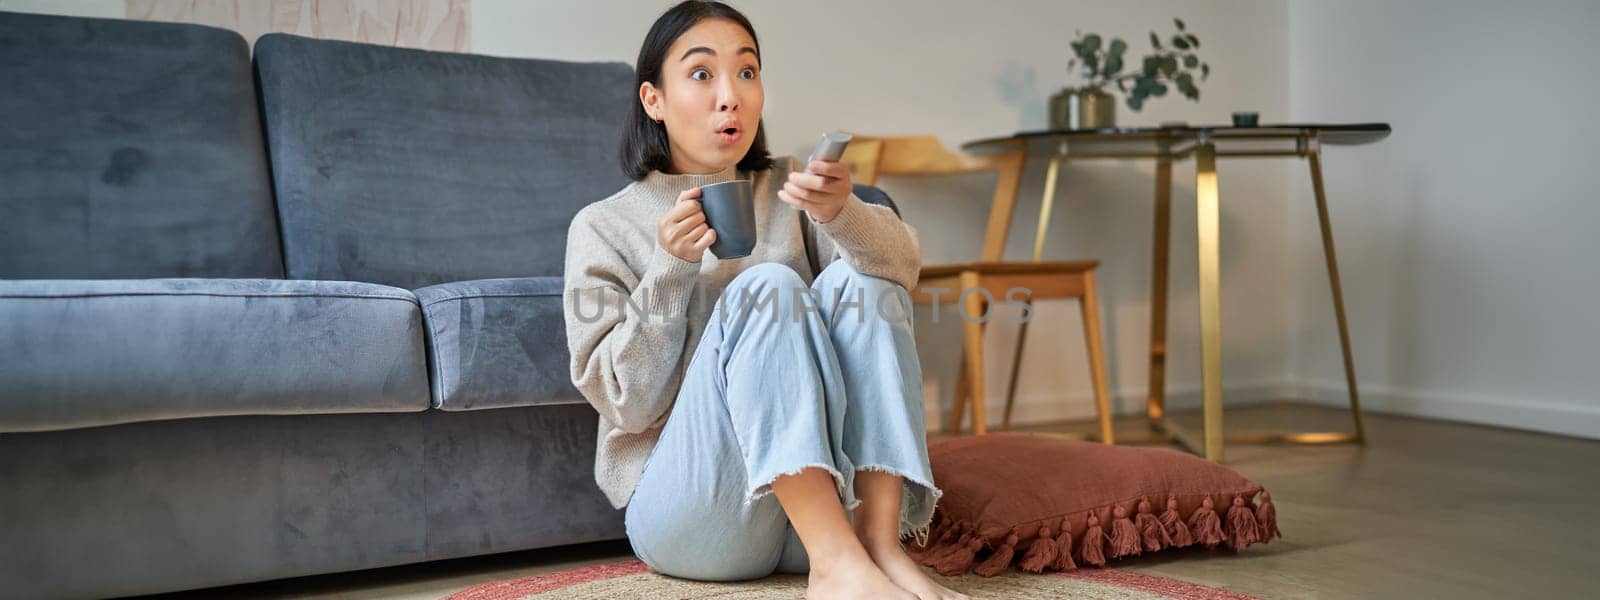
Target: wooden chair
{"type": "Point", "coordinates": [870, 157]}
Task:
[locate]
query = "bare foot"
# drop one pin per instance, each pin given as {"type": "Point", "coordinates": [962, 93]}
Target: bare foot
{"type": "Point", "coordinates": [852, 576]}
{"type": "Point", "coordinates": [907, 574]}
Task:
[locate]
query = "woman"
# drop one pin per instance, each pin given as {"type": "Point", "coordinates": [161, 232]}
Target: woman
{"type": "Point", "coordinates": [748, 428]}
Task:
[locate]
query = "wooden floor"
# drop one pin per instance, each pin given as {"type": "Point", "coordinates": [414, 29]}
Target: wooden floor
{"type": "Point", "coordinates": [1426, 510]}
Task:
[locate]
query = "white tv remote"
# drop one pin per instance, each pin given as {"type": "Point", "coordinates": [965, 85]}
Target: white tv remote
{"type": "Point", "coordinates": [830, 147]}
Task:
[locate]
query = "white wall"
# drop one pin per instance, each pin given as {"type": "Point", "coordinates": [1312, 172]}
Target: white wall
{"type": "Point", "coordinates": [104, 9]}
{"type": "Point", "coordinates": [1467, 239]}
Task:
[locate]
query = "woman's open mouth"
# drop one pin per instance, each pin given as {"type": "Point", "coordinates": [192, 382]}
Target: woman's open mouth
{"type": "Point", "coordinates": [729, 134]}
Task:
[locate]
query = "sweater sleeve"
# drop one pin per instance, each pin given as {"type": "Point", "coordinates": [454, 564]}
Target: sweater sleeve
{"type": "Point", "coordinates": [872, 239]}
{"type": "Point", "coordinates": [623, 362]}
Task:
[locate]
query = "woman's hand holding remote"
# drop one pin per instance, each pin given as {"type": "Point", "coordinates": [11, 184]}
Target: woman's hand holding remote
{"type": "Point", "coordinates": [683, 230]}
{"type": "Point", "coordinates": [821, 190]}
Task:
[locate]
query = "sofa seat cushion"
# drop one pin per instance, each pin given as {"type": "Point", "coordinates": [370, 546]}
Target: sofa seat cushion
{"type": "Point", "coordinates": [82, 353]}
{"type": "Point", "coordinates": [497, 342]}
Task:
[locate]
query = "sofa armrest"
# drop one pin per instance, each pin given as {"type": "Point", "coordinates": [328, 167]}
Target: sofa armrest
{"type": "Point", "coordinates": [874, 195]}
{"type": "Point", "coordinates": [497, 343]}
{"type": "Point", "coordinates": [84, 353]}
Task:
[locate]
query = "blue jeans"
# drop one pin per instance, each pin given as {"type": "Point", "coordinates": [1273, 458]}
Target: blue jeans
{"type": "Point", "coordinates": [786, 377]}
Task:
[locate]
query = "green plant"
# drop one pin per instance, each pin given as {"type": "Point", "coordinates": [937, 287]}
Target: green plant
{"type": "Point", "coordinates": [1172, 66]}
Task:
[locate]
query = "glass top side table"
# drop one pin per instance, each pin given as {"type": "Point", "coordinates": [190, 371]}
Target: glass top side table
{"type": "Point", "coordinates": [1205, 144]}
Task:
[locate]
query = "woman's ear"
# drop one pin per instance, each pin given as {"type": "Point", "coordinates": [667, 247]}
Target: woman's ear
{"type": "Point", "coordinates": [650, 98]}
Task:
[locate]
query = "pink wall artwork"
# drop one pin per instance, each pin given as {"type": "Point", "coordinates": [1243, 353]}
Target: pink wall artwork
{"type": "Point", "coordinates": [426, 24]}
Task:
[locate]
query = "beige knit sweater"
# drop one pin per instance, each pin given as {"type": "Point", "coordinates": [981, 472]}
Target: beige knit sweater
{"type": "Point", "coordinates": [629, 367]}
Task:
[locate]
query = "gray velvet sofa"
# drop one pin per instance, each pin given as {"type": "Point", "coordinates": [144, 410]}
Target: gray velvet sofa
{"type": "Point", "coordinates": [289, 316]}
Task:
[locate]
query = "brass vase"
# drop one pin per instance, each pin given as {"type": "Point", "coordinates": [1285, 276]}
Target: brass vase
{"type": "Point", "coordinates": [1082, 108]}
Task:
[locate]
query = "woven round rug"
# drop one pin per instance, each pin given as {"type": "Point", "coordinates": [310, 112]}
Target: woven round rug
{"type": "Point", "coordinates": [632, 579]}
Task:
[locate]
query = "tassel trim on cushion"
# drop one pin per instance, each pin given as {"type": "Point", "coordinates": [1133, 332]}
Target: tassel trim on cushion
{"type": "Point", "coordinates": [1172, 521]}
{"type": "Point", "coordinates": [940, 554]}
{"type": "Point", "coordinates": [1064, 549]}
{"type": "Point", "coordinates": [1267, 518]}
{"type": "Point", "coordinates": [1000, 560]}
{"type": "Point", "coordinates": [1241, 525]}
{"type": "Point", "coordinates": [1124, 535]}
{"type": "Point", "coordinates": [1151, 533]}
{"type": "Point", "coordinates": [1041, 552]}
{"type": "Point", "coordinates": [959, 560]}
{"type": "Point", "coordinates": [1091, 549]}
{"type": "Point", "coordinates": [955, 547]}
{"type": "Point", "coordinates": [1206, 525]}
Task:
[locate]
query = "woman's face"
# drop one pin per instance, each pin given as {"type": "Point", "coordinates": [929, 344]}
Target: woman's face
{"type": "Point", "coordinates": [710, 96]}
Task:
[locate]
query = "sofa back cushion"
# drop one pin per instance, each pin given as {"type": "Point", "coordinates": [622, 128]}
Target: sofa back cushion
{"type": "Point", "coordinates": [411, 168]}
{"type": "Point", "coordinates": [130, 150]}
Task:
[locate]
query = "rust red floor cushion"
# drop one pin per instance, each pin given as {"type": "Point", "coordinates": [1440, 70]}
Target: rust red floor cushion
{"type": "Point", "coordinates": [1043, 503]}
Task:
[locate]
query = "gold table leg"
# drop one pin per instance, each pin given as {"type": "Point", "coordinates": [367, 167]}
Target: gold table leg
{"type": "Point", "coordinates": [1156, 403]}
{"type": "Point", "coordinates": [1045, 204]}
{"type": "Point", "coordinates": [1207, 214]}
{"type": "Point", "coordinates": [1315, 157]}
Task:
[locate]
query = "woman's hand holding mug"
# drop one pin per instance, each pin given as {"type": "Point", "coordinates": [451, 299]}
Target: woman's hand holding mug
{"type": "Point", "coordinates": [683, 230]}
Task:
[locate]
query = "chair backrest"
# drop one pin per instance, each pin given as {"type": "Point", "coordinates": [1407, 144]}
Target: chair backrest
{"type": "Point", "coordinates": [411, 168]}
{"type": "Point", "coordinates": [872, 156]}
{"type": "Point", "coordinates": [130, 150]}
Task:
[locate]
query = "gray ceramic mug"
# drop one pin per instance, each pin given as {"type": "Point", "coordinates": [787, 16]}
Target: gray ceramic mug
{"type": "Point", "coordinates": [730, 211]}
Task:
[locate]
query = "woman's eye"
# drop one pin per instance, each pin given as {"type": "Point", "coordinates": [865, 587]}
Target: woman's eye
{"type": "Point", "coordinates": [700, 75]}
{"type": "Point", "coordinates": [748, 73]}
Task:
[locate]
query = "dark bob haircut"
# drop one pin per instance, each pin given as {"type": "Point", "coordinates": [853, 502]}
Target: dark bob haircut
{"type": "Point", "coordinates": [644, 141]}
